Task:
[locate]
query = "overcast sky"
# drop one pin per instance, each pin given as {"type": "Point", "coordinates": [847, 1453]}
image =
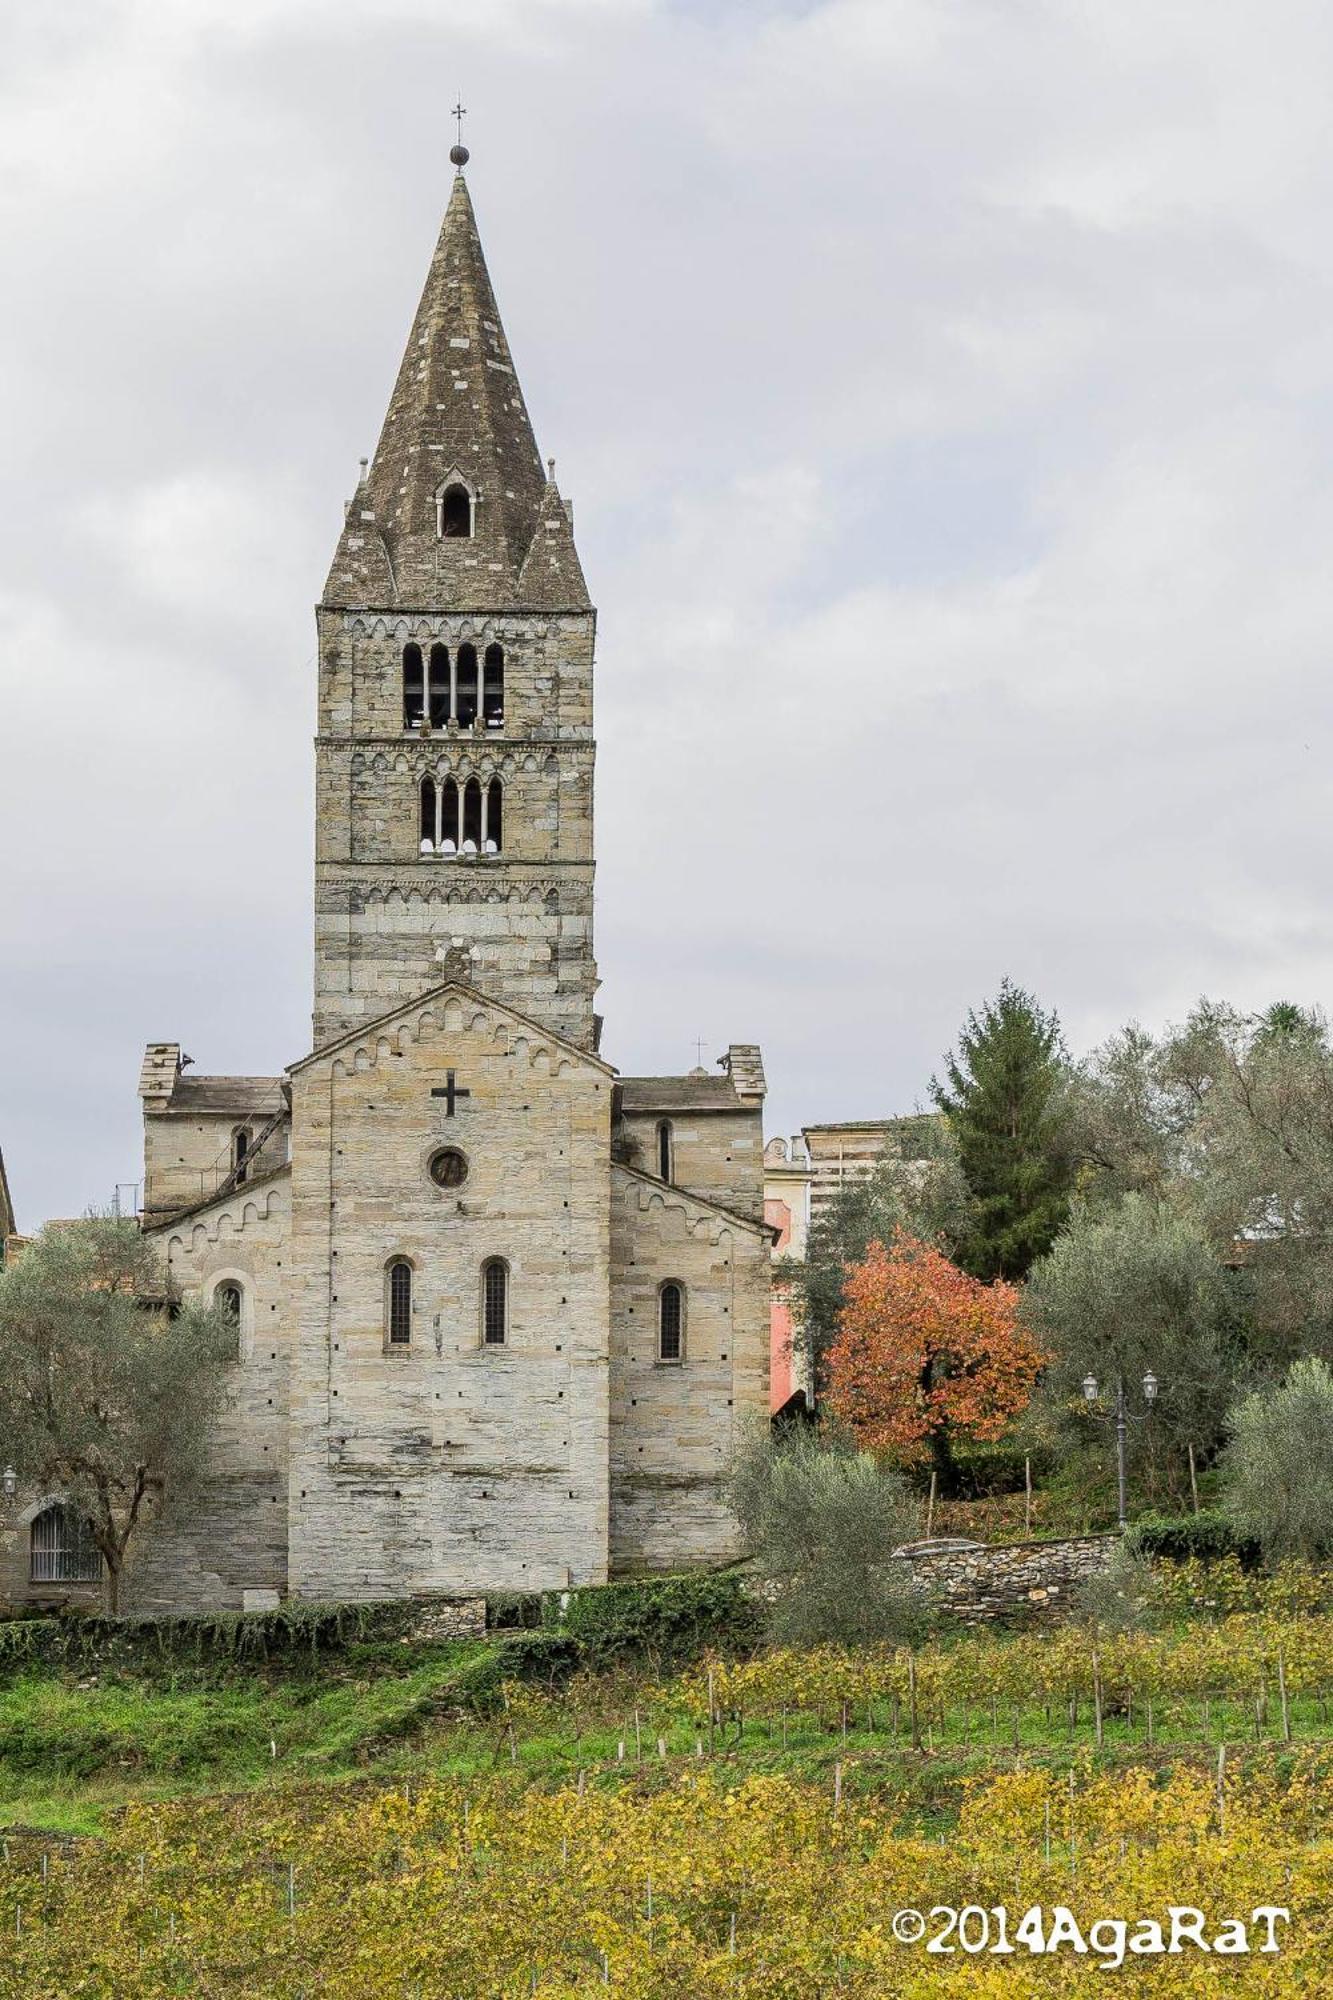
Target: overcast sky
{"type": "Point", "coordinates": [945, 390]}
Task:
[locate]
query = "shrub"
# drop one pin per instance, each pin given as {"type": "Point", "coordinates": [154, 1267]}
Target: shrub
{"type": "Point", "coordinates": [1277, 1469]}
{"type": "Point", "coordinates": [1204, 1538]}
{"type": "Point", "coordinates": [665, 1619]}
{"type": "Point", "coordinates": [1124, 1597]}
{"type": "Point", "coordinates": [820, 1522]}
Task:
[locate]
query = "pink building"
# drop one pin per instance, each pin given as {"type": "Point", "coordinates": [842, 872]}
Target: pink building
{"type": "Point", "coordinates": [786, 1208]}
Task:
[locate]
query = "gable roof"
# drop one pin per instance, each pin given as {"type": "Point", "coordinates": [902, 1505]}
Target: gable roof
{"type": "Point", "coordinates": [426, 999]}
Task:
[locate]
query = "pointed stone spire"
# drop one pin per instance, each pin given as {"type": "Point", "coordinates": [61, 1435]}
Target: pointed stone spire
{"type": "Point", "coordinates": [456, 418]}
{"type": "Point", "coordinates": [552, 576]}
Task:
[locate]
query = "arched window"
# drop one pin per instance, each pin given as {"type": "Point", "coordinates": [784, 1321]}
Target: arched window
{"type": "Point", "coordinates": [467, 686]}
{"type": "Point", "coordinates": [62, 1548]}
{"type": "Point", "coordinates": [240, 1154]}
{"type": "Point", "coordinates": [399, 1302]}
{"type": "Point", "coordinates": [472, 817]}
{"type": "Point", "coordinates": [671, 1323]}
{"type": "Point", "coordinates": [455, 511]}
{"type": "Point", "coordinates": [494, 840]}
{"type": "Point", "coordinates": [493, 687]}
{"type": "Point", "coordinates": [439, 686]}
{"type": "Point", "coordinates": [414, 699]}
{"type": "Point", "coordinates": [428, 835]}
{"type": "Point", "coordinates": [664, 1149]}
{"type": "Point", "coordinates": [228, 1298]}
{"type": "Point", "coordinates": [494, 1302]}
{"type": "Point", "coordinates": [449, 817]}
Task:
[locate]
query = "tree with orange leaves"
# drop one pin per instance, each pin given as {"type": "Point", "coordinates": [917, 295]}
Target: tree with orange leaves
{"type": "Point", "coordinates": [925, 1354]}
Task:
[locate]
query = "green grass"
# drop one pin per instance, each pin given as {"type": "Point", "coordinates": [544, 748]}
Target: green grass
{"type": "Point", "coordinates": [72, 1752]}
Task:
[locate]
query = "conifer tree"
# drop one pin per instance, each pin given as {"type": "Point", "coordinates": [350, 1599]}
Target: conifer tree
{"type": "Point", "coordinates": [1005, 1094]}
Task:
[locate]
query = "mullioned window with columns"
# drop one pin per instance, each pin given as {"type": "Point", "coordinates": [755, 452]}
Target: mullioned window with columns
{"type": "Point", "coordinates": [455, 689]}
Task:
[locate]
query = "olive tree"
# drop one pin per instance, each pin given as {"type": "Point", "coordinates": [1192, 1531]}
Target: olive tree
{"type": "Point", "coordinates": [1132, 1289]}
{"type": "Point", "coordinates": [1278, 1464]}
{"type": "Point", "coordinates": [820, 1522]}
{"type": "Point", "coordinates": [108, 1387]}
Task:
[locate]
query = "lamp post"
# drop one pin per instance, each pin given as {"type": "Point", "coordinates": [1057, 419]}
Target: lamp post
{"type": "Point", "coordinates": [1091, 1392]}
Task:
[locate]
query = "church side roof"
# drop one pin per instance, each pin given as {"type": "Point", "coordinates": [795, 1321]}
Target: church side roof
{"type": "Point", "coordinates": [691, 1198]}
{"type": "Point", "coordinates": [158, 1224]}
{"type": "Point", "coordinates": [643, 1094]}
{"type": "Point", "coordinates": [244, 1096]}
{"type": "Point", "coordinates": [457, 411]}
{"type": "Point", "coordinates": [8, 1227]}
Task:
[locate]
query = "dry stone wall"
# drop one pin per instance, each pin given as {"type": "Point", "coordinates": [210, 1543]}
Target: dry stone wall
{"type": "Point", "coordinates": [1013, 1580]}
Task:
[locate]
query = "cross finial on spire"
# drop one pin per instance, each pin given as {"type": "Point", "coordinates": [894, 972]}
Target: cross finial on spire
{"type": "Point", "coordinates": [458, 152]}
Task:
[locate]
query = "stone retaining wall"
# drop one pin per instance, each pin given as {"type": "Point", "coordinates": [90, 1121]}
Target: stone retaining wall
{"type": "Point", "coordinates": [1014, 1580]}
{"type": "Point", "coordinates": [436, 1618]}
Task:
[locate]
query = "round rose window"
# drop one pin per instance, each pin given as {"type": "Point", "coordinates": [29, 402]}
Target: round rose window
{"type": "Point", "coordinates": [448, 1168]}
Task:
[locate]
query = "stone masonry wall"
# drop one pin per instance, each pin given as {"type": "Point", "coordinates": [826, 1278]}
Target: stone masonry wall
{"type": "Point", "coordinates": [1017, 1579]}
{"type": "Point", "coordinates": [382, 909]}
{"type": "Point", "coordinates": [445, 1463]}
{"type": "Point", "coordinates": [673, 1423]}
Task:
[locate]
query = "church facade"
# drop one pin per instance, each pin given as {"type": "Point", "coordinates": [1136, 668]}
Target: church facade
{"type": "Point", "coordinates": [499, 1308]}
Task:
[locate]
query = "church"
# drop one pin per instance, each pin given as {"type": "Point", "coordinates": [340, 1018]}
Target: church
{"type": "Point", "coordinates": [499, 1309]}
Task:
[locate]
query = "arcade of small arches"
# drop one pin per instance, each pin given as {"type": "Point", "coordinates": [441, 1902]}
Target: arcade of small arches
{"type": "Point", "coordinates": [446, 688]}
{"type": "Point", "coordinates": [463, 819]}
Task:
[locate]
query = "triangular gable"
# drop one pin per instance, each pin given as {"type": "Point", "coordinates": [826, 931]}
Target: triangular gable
{"type": "Point", "coordinates": [369, 1031]}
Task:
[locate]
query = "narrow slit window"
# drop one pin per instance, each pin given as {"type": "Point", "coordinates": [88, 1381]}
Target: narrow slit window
{"type": "Point", "coordinates": [670, 1323]}
{"type": "Point", "coordinates": [455, 512]}
{"type": "Point", "coordinates": [493, 687]}
{"type": "Point", "coordinates": [62, 1549]}
{"type": "Point", "coordinates": [400, 1303]}
{"type": "Point", "coordinates": [439, 686]}
{"type": "Point", "coordinates": [467, 686]}
{"type": "Point", "coordinates": [414, 704]}
{"type": "Point", "coordinates": [449, 817]}
{"type": "Point", "coordinates": [240, 1155]}
{"type": "Point", "coordinates": [472, 817]}
{"type": "Point", "coordinates": [664, 1149]}
{"type": "Point", "coordinates": [494, 816]}
{"type": "Point", "coordinates": [495, 1302]}
{"type": "Point", "coordinates": [427, 815]}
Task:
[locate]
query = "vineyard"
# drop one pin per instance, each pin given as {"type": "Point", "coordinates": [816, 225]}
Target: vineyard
{"type": "Point", "coordinates": [748, 1825]}
{"type": "Point", "coordinates": [694, 1887]}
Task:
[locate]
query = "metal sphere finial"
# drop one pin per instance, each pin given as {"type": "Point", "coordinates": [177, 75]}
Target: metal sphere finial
{"type": "Point", "coordinates": [458, 152]}
{"type": "Point", "coordinates": [459, 155]}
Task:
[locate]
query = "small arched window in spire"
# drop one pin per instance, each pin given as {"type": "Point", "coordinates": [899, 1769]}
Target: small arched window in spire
{"type": "Point", "coordinates": [494, 1302]}
{"type": "Point", "coordinates": [414, 702]}
{"type": "Point", "coordinates": [467, 686]}
{"type": "Point", "coordinates": [671, 1323]}
{"type": "Point", "coordinates": [454, 511]}
{"type": "Point", "coordinates": [449, 817]}
{"type": "Point", "coordinates": [439, 686]}
{"type": "Point", "coordinates": [664, 1149]}
{"type": "Point", "coordinates": [398, 1302]}
{"type": "Point", "coordinates": [428, 833]}
{"type": "Point", "coordinates": [493, 688]}
{"type": "Point", "coordinates": [494, 840]}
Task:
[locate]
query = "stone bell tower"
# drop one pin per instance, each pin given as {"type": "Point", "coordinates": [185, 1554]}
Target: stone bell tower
{"type": "Point", "coordinates": [454, 760]}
